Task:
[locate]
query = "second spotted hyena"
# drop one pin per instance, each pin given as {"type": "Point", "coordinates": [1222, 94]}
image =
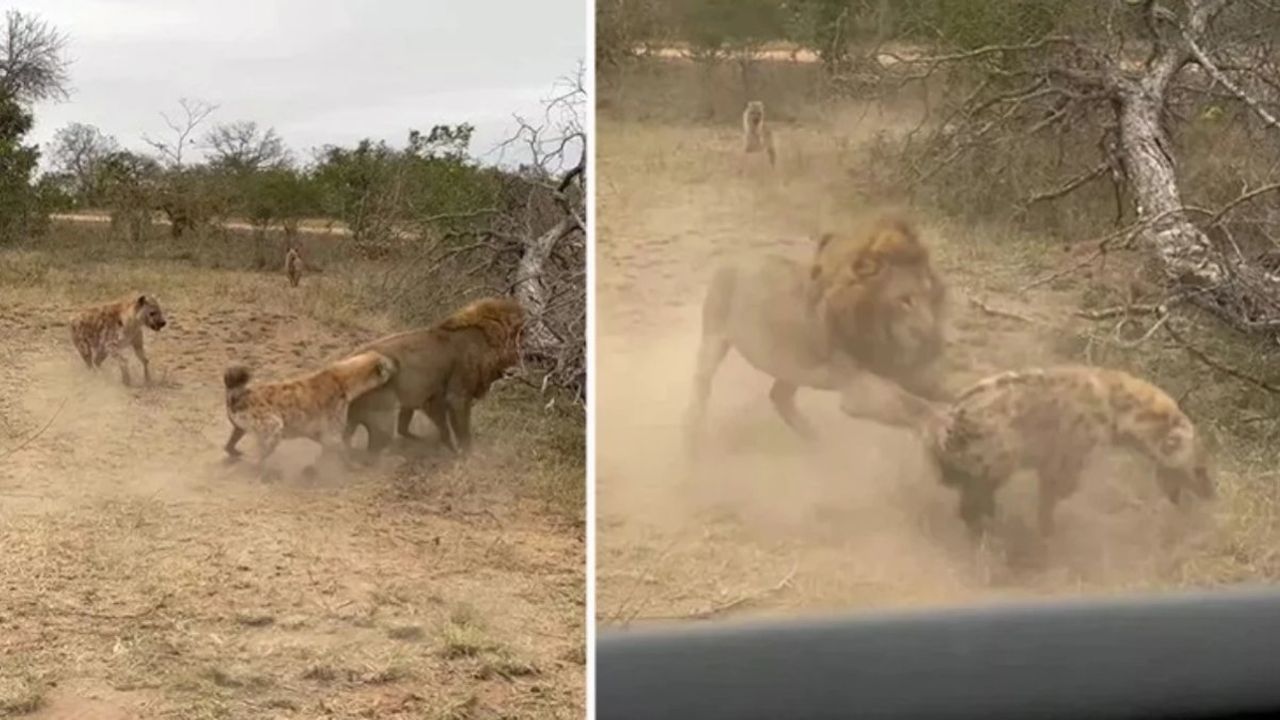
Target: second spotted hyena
{"type": "Point", "coordinates": [103, 330]}
{"type": "Point", "coordinates": [293, 266]}
{"type": "Point", "coordinates": [312, 406]}
{"type": "Point", "coordinates": [756, 135]}
{"type": "Point", "coordinates": [1049, 420]}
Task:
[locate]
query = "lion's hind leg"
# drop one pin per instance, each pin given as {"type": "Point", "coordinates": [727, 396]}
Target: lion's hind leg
{"type": "Point", "coordinates": [711, 352]}
{"type": "Point", "coordinates": [83, 346]}
{"type": "Point", "coordinates": [438, 411]}
{"type": "Point", "coordinates": [712, 348]}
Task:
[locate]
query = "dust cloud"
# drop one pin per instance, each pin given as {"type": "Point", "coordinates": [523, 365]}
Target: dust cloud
{"type": "Point", "coordinates": [762, 521]}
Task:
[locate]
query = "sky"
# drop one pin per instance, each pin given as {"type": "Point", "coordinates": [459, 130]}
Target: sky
{"type": "Point", "coordinates": [318, 71]}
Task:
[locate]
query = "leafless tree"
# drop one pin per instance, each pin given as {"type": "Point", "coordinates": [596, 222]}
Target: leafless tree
{"type": "Point", "coordinates": [557, 146]}
{"type": "Point", "coordinates": [1119, 71]}
{"type": "Point", "coordinates": [32, 64]}
{"type": "Point", "coordinates": [195, 112]}
{"type": "Point", "coordinates": [79, 152]}
{"type": "Point", "coordinates": [242, 146]}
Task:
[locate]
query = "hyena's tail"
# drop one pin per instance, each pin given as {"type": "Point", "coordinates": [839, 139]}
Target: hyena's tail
{"type": "Point", "coordinates": [236, 377]}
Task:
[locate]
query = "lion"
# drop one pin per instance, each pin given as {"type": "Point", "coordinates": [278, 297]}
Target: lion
{"type": "Point", "coordinates": [442, 370]}
{"type": "Point", "coordinates": [1050, 420]}
{"type": "Point", "coordinates": [312, 406]}
{"type": "Point", "coordinates": [293, 266]}
{"type": "Point", "coordinates": [756, 135]}
{"type": "Point", "coordinates": [864, 318]}
{"type": "Point", "coordinates": [102, 330]}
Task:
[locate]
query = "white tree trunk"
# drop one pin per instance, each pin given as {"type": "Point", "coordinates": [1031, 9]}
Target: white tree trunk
{"type": "Point", "coordinates": [531, 290]}
{"type": "Point", "coordinates": [1184, 252]}
{"type": "Point", "coordinates": [1240, 293]}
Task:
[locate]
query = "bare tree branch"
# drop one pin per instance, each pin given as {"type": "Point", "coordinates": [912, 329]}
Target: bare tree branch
{"type": "Point", "coordinates": [1220, 78]}
{"type": "Point", "coordinates": [195, 112]}
{"type": "Point", "coordinates": [33, 66]}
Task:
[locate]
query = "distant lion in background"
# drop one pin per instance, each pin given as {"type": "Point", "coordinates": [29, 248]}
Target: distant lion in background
{"type": "Point", "coordinates": [863, 317]}
{"type": "Point", "coordinates": [756, 135]}
{"type": "Point", "coordinates": [441, 370]}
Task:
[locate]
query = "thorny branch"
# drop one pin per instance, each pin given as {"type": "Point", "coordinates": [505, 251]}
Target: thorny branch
{"type": "Point", "coordinates": [31, 438]}
{"type": "Point", "coordinates": [531, 243]}
{"type": "Point", "coordinates": [1204, 357]}
{"type": "Point", "coordinates": [1221, 78]}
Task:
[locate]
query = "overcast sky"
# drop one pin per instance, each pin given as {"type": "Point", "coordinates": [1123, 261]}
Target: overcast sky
{"type": "Point", "coordinates": [319, 71]}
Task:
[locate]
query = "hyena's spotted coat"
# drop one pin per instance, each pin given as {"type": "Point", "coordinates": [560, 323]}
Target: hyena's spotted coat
{"type": "Point", "coordinates": [103, 330]}
{"type": "Point", "coordinates": [312, 406]}
{"type": "Point", "coordinates": [1049, 420]}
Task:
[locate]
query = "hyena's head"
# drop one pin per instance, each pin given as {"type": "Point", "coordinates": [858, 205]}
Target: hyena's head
{"type": "Point", "coordinates": [147, 309]}
{"type": "Point", "coordinates": [755, 112]}
{"type": "Point", "coordinates": [364, 372]}
{"type": "Point", "coordinates": [1184, 464]}
{"type": "Point", "coordinates": [384, 370]}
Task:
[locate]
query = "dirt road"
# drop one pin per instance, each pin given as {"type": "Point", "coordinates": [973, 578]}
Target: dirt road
{"type": "Point", "coordinates": [308, 227]}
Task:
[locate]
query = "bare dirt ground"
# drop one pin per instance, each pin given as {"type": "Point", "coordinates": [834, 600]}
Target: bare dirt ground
{"type": "Point", "coordinates": [766, 525]}
{"type": "Point", "coordinates": [141, 577]}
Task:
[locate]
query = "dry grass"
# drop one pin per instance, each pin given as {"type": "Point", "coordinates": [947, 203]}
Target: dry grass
{"type": "Point", "coordinates": [861, 521]}
{"type": "Point", "coordinates": [141, 571]}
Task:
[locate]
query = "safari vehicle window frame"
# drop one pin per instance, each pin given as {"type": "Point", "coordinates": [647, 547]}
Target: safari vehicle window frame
{"type": "Point", "coordinates": [1206, 654]}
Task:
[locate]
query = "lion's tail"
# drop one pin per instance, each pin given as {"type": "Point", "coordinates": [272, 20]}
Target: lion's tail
{"type": "Point", "coordinates": [236, 377]}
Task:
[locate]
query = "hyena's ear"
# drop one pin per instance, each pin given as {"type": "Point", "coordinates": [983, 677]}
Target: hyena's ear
{"type": "Point", "coordinates": [142, 300]}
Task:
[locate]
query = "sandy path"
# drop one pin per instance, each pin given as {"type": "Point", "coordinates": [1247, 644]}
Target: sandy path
{"type": "Point", "coordinates": [309, 228]}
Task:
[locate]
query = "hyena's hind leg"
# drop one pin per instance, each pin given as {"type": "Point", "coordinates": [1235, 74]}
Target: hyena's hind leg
{"type": "Point", "coordinates": [269, 437]}
{"type": "Point", "coordinates": [118, 356]}
{"type": "Point", "coordinates": [332, 450]}
{"type": "Point", "coordinates": [83, 347]}
{"type": "Point", "coordinates": [233, 453]}
{"type": "Point", "coordinates": [712, 348]}
{"type": "Point", "coordinates": [1059, 476]}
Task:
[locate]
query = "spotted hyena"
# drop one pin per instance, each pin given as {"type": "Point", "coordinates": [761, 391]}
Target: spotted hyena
{"type": "Point", "coordinates": [756, 135]}
{"type": "Point", "coordinates": [312, 406]}
{"type": "Point", "coordinates": [293, 266]}
{"type": "Point", "coordinates": [1049, 420]}
{"type": "Point", "coordinates": [103, 330]}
